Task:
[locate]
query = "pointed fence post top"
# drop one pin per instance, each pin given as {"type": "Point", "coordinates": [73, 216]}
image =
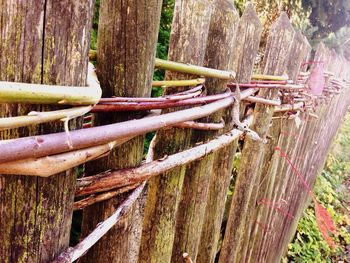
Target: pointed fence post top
{"type": "Point", "coordinates": [280, 39]}
{"type": "Point", "coordinates": [247, 42]}
{"type": "Point", "coordinates": [300, 51]}
{"type": "Point", "coordinates": [250, 15]}
{"type": "Point", "coordinates": [282, 23]}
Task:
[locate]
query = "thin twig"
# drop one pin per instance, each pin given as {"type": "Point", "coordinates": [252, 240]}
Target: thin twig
{"type": "Point", "coordinates": [35, 118]}
{"type": "Point", "coordinates": [289, 107]}
{"type": "Point", "coordinates": [263, 101]}
{"type": "Point", "coordinates": [160, 99]}
{"type": "Point", "coordinates": [72, 254]}
{"type": "Point", "coordinates": [93, 199]}
{"type": "Point", "coordinates": [201, 125]}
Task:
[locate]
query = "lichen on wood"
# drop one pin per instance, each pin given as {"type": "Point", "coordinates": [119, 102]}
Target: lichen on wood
{"type": "Point", "coordinates": [34, 35]}
{"type": "Point", "coordinates": [127, 37]}
{"type": "Point", "coordinates": [246, 42]}
{"type": "Point", "coordinates": [189, 31]}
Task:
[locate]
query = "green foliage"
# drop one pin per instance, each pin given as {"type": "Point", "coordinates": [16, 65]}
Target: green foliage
{"type": "Point", "coordinates": [93, 42]}
{"type": "Point", "coordinates": [164, 34]}
{"type": "Point", "coordinates": [308, 244]}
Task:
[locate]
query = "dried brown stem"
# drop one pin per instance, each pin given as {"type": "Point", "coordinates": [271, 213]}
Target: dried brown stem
{"type": "Point", "coordinates": [160, 99]}
{"type": "Point", "coordinates": [121, 178]}
{"type": "Point", "coordinates": [72, 254]}
{"type": "Point", "coordinates": [93, 199]}
{"type": "Point", "coordinates": [201, 126]}
{"type": "Point", "coordinates": [263, 101]}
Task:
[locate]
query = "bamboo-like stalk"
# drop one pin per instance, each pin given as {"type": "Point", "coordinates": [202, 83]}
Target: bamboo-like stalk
{"type": "Point", "coordinates": [269, 77]}
{"type": "Point", "coordinates": [269, 86]}
{"type": "Point", "coordinates": [289, 107]}
{"type": "Point", "coordinates": [72, 254]}
{"type": "Point", "coordinates": [50, 165]}
{"type": "Point", "coordinates": [195, 70]}
{"type": "Point", "coordinates": [121, 178]}
{"type": "Point", "coordinates": [277, 82]}
{"type": "Point", "coordinates": [208, 72]}
{"type": "Point", "coordinates": [14, 92]}
{"type": "Point", "coordinates": [178, 83]}
{"type": "Point", "coordinates": [35, 118]}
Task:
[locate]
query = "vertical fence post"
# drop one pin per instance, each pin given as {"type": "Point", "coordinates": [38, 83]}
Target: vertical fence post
{"type": "Point", "coordinates": [270, 184]}
{"type": "Point", "coordinates": [127, 40]}
{"type": "Point", "coordinates": [187, 44]}
{"type": "Point", "coordinates": [275, 63]}
{"type": "Point", "coordinates": [191, 211]}
{"type": "Point", "coordinates": [41, 42]}
{"type": "Point", "coordinates": [243, 53]}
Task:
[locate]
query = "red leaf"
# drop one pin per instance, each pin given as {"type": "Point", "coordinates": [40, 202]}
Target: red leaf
{"type": "Point", "coordinates": [325, 223]}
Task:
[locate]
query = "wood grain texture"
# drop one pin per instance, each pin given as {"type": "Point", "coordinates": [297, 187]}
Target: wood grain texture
{"type": "Point", "coordinates": [127, 40]}
{"type": "Point", "coordinates": [275, 63]}
{"type": "Point", "coordinates": [245, 47]}
{"type": "Point", "coordinates": [187, 45]}
{"type": "Point", "coordinates": [283, 133]}
{"type": "Point", "coordinates": [192, 206]}
{"type": "Point", "coordinates": [41, 42]}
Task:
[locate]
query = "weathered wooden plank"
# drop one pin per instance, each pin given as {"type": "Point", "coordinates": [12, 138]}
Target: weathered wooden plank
{"type": "Point", "coordinates": [247, 39]}
{"type": "Point", "coordinates": [264, 186]}
{"type": "Point", "coordinates": [275, 63]}
{"type": "Point", "coordinates": [283, 132]}
{"type": "Point", "coordinates": [192, 206]}
{"type": "Point", "coordinates": [187, 45]}
{"type": "Point", "coordinates": [127, 40]}
{"type": "Point", "coordinates": [36, 38]}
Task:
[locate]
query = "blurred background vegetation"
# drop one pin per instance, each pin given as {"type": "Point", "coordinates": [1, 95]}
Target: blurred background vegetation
{"type": "Point", "coordinates": [332, 189]}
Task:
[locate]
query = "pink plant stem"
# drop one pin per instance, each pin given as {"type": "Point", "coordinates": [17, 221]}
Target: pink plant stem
{"type": "Point", "coordinates": [44, 145]}
{"type": "Point", "coordinates": [266, 86]}
{"type": "Point", "coordinates": [139, 106]}
{"type": "Point", "coordinates": [160, 99]}
{"type": "Point", "coordinates": [301, 178]}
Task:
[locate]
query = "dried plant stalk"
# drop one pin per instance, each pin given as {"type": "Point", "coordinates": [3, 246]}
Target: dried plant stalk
{"type": "Point", "coordinates": [35, 118]}
{"type": "Point", "coordinates": [14, 92]}
{"type": "Point", "coordinates": [178, 83]}
{"type": "Point", "coordinates": [50, 165]}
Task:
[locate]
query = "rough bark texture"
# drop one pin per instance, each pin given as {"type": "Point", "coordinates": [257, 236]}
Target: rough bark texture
{"type": "Point", "coordinates": [187, 44]}
{"type": "Point", "coordinates": [275, 63]}
{"type": "Point", "coordinates": [245, 47]}
{"type": "Point", "coordinates": [41, 42]}
{"type": "Point", "coordinates": [191, 211]}
{"type": "Point", "coordinates": [127, 40]}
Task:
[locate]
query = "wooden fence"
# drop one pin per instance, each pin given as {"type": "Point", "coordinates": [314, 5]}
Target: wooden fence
{"type": "Point", "coordinates": [169, 208]}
